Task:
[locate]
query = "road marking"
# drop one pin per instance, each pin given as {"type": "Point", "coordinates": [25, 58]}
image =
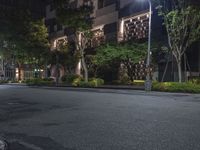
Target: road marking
{"type": "Point", "coordinates": [27, 145]}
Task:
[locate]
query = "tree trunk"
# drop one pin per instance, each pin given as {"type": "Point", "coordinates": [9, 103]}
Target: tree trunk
{"type": "Point", "coordinates": [179, 70]}
{"type": "Point", "coordinates": [84, 68]}
{"type": "Point", "coordinates": [185, 68]}
{"type": "Point", "coordinates": [57, 70]}
{"type": "Point", "coordinates": [165, 71]}
{"type": "Point", "coordinates": [46, 69]}
{"type": "Point", "coordinates": [19, 72]}
{"type": "Point", "coordinates": [81, 45]}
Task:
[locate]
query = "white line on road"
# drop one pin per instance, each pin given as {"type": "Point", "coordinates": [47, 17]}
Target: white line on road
{"type": "Point", "coordinates": [27, 145]}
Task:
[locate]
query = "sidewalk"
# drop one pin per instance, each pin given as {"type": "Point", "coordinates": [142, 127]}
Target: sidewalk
{"type": "Point", "coordinates": [122, 87]}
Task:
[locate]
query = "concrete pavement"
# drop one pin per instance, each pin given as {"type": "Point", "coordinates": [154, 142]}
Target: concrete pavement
{"type": "Point", "coordinates": [99, 119]}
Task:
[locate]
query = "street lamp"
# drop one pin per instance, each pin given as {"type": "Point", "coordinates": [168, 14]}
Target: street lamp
{"type": "Point", "coordinates": [148, 82]}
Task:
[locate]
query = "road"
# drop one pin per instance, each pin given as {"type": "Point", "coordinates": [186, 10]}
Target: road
{"type": "Point", "coordinates": [75, 119]}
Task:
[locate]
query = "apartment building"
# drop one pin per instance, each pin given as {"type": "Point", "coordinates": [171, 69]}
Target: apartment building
{"type": "Point", "coordinates": [120, 20]}
{"type": "Point", "coordinates": [116, 20]}
{"type": "Point", "coordinates": [35, 6]}
{"type": "Point", "coordinates": [113, 20]}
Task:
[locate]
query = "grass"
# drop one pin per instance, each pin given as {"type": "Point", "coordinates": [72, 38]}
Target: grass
{"type": "Point", "coordinates": [186, 87]}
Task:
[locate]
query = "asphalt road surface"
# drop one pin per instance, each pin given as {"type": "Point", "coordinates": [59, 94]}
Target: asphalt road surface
{"type": "Point", "coordinates": [76, 119]}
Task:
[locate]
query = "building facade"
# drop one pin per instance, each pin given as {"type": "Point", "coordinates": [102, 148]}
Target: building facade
{"type": "Point", "coordinates": [114, 20]}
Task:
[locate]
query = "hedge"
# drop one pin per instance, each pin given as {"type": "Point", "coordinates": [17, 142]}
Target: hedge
{"type": "Point", "coordinates": [39, 81]}
{"type": "Point", "coordinates": [93, 82]}
{"type": "Point", "coordinates": [186, 87]}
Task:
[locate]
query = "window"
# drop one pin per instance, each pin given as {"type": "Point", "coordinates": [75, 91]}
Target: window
{"type": "Point", "coordinates": [98, 38]}
{"type": "Point", "coordinates": [136, 27]}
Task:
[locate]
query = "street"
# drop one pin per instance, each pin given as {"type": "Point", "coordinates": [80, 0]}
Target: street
{"type": "Point", "coordinates": [100, 119]}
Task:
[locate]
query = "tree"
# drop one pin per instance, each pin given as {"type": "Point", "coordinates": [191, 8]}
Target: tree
{"type": "Point", "coordinates": [182, 22]}
{"type": "Point", "coordinates": [125, 53]}
{"type": "Point", "coordinates": [77, 19]}
{"type": "Point", "coordinates": [61, 48]}
{"type": "Point", "coordinates": [26, 36]}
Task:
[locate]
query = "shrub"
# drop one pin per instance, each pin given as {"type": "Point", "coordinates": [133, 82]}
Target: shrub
{"type": "Point", "coordinates": [39, 81]}
{"type": "Point", "coordinates": [69, 78]}
{"type": "Point", "coordinates": [195, 80]}
{"type": "Point", "coordinates": [48, 79]}
{"type": "Point", "coordinates": [84, 84]}
{"type": "Point", "coordinates": [76, 81]}
{"type": "Point", "coordinates": [186, 87]}
{"type": "Point", "coordinates": [93, 82]}
{"type": "Point", "coordinates": [125, 80]}
{"type": "Point", "coordinates": [3, 81]}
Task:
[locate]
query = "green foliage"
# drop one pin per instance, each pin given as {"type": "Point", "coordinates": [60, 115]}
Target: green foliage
{"type": "Point", "coordinates": [110, 52]}
{"type": "Point", "coordinates": [77, 18]}
{"type": "Point", "coordinates": [125, 80]}
{"type": "Point", "coordinates": [182, 22]}
{"type": "Point", "coordinates": [66, 57]}
{"type": "Point", "coordinates": [187, 87]}
{"type": "Point", "coordinates": [93, 82]}
{"type": "Point", "coordinates": [3, 81]}
{"type": "Point", "coordinates": [69, 78]}
{"type": "Point", "coordinates": [40, 82]}
{"type": "Point", "coordinates": [127, 54]}
{"type": "Point", "coordinates": [37, 36]}
{"type": "Point", "coordinates": [195, 80]}
{"type": "Point", "coordinates": [77, 81]}
{"type": "Point", "coordinates": [183, 26]}
{"type": "Point", "coordinates": [26, 38]}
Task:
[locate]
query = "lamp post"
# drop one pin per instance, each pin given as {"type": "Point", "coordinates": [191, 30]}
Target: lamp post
{"type": "Point", "coordinates": [148, 82]}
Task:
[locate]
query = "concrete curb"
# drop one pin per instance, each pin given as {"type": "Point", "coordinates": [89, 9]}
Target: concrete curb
{"type": "Point", "coordinates": [101, 87]}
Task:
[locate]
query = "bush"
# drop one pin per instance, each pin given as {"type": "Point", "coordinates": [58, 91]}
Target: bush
{"type": "Point", "coordinates": [77, 81]}
{"type": "Point", "coordinates": [84, 84]}
{"type": "Point", "coordinates": [69, 78]}
{"type": "Point", "coordinates": [93, 82]}
{"type": "Point", "coordinates": [186, 87]}
{"type": "Point", "coordinates": [125, 80]}
{"type": "Point", "coordinates": [48, 79]}
{"type": "Point", "coordinates": [39, 81]}
{"type": "Point", "coordinates": [195, 80]}
{"type": "Point", "coordinates": [3, 81]}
